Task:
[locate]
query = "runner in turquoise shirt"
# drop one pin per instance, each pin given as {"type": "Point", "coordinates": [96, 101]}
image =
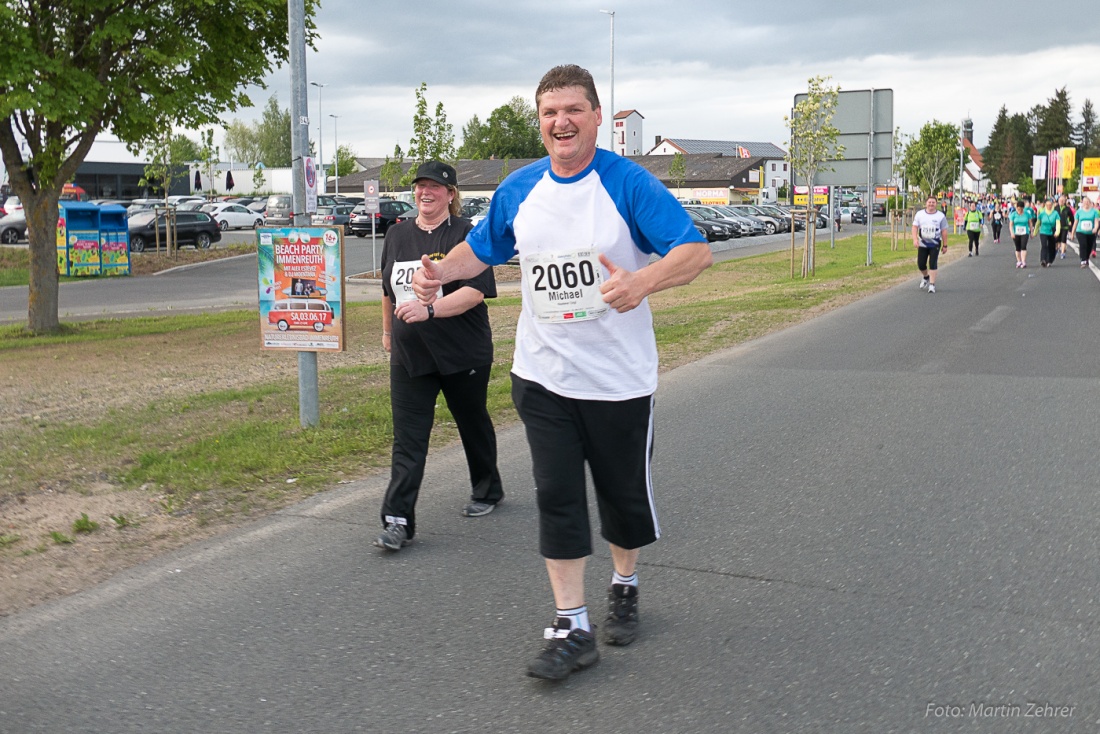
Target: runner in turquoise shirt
{"type": "Point", "coordinates": [1088, 221]}
{"type": "Point", "coordinates": [1020, 225]}
{"type": "Point", "coordinates": [1050, 224]}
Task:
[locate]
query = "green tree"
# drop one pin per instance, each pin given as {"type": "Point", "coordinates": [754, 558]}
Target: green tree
{"type": "Point", "coordinates": [512, 131]}
{"type": "Point", "coordinates": [1086, 134]}
{"type": "Point", "coordinates": [273, 136]}
{"type": "Point", "coordinates": [433, 138]}
{"type": "Point", "coordinates": [994, 151]}
{"type": "Point", "coordinates": [1054, 129]}
{"type": "Point", "coordinates": [242, 142]}
{"type": "Point", "coordinates": [392, 170]}
{"type": "Point", "coordinates": [677, 171]}
{"type": "Point", "coordinates": [345, 160]}
{"type": "Point", "coordinates": [72, 69]}
{"type": "Point", "coordinates": [932, 158]}
{"type": "Point", "coordinates": [168, 158]}
{"type": "Point", "coordinates": [812, 146]}
{"type": "Point", "coordinates": [1016, 161]}
{"type": "Point", "coordinates": [209, 154]}
{"type": "Point", "coordinates": [475, 141]}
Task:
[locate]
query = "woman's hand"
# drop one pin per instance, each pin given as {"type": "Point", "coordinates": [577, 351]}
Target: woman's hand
{"type": "Point", "coordinates": [412, 311]}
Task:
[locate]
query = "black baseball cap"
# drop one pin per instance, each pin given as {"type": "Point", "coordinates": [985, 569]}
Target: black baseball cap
{"type": "Point", "coordinates": [438, 172]}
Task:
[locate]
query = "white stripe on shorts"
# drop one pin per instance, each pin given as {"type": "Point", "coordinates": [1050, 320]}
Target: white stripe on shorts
{"type": "Point", "coordinates": [649, 472]}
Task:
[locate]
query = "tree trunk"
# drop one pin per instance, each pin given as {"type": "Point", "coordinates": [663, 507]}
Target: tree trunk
{"type": "Point", "coordinates": [42, 305]}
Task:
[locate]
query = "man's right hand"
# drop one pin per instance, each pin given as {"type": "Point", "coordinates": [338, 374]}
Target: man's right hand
{"type": "Point", "coordinates": [427, 280]}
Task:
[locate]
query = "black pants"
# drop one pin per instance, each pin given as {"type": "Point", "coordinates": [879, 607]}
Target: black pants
{"type": "Point", "coordinates": [996, 230]}
{"type": "Point", "coordinates": [972, 241]}
{"type": "Point", "coordinates": [1020, 241]}
{"type": "Point", "coordinates": [928, 257]}
{"type": "Point", "coordinates": [412, 400]}
{"type": "Point", "coordinates": [1087, 244]}
{"type": "Point", "coordinates": [1049, 248]}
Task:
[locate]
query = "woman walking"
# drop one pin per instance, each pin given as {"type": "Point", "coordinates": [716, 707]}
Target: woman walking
{"type": "Point", "coordinates": [1086, 219]}
{"type": "Point", "coordinates": [445, 346]}
{"type": "Point", "coordinates": [996, 219]}
{"type": "Point", "coordinates": [1020, 224]}
{"type": "Point", "coordinates": [1050, 226]}
{"type": "Point", "coordinates": [973, 222]}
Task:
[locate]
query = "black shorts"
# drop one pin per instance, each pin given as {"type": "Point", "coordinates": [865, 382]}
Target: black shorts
{"type": "Point", "coordinates": [615, 438]}
{"type": "Point", "coordinates": [928, 258]}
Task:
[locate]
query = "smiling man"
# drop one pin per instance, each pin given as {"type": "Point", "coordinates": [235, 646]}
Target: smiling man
{"type": "Point", "coordinates": [584, 223]}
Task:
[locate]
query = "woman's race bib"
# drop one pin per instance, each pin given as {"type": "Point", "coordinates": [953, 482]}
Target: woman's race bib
{"type": "Point", "coordinates": [1085, 225]}
{"type": "Point", "coordinates": [563, 287]}
{"type": "Point", "coordinates": [1019, 230]}
{"type": "Point", "coordinates": [974, 226]}
{"type": "Point", "coordinates": [401, 281]}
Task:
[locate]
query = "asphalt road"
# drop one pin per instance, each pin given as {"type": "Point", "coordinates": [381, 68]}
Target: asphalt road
{"type": "Point", "coordinates": [869, 519]}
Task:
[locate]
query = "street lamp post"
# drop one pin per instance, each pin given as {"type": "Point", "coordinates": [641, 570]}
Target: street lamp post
{"type": "Point", "coordinates": [320, 136]}
{"type": "Point", "coordinates": [336, 155]}
{"type": "Point", "coordinates": [611, 13]}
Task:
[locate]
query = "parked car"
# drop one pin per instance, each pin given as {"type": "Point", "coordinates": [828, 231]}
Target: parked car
{"type": "Point", "coordinates": [13, 227]}
{"type": "Point", "coordinates": [771, 224]}
{"type": "Point", "coordinates": [480, 211]}
{"type": "Point", "coordinates": [178, 199]}
{"type": "Point", "coordinates": [338, 215]}
{"type": "Point", "coordinates": [279, 210]}
{"type": "Point", "coordinates": [233, 216]}
{"type": "Point", "coordinates": [138, 205]}
{"type": "Point", "coordinates": [191, 206]}
{"type": "Point", "coordinates": [774, 211]}
{"type": "Point", "coordinates": [388, 212]}
{"type": "Point", "coordinates": [853, 215]}
{"type": "Point", "coordinates": [712, 230]}
{"type": "Point", "coordinates": [878, 209]}
{"type": "Point", "coordinates": [192, 228]}
{"type": "Point", "coordinates": [242, 200]}
{"type": "Point", "coordinates": [747, 225]}
{"type": "Point", "coordinates": [12, 205]}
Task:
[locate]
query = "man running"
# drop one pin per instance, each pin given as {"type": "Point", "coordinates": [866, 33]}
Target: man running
{"type": "Point", "coordinates": [584, 223]}
{"type": "Point", "coordinates": [929, 237]}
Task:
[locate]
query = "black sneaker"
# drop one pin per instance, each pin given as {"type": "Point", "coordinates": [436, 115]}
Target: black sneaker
{"type": "Point", "coordinates": [563, 655]}
{"type": "Point", "coordinates": [394, 537]}
{"type": "Point", "coordinates": [621, 626]}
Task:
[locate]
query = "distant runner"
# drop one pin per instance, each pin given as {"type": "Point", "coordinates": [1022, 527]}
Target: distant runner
{"type": "Point", "coordinates": [929, 237]}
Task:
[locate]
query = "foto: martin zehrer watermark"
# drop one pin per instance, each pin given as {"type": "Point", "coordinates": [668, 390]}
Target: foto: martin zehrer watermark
{"type": "Point", "coordinates": [983, 710]}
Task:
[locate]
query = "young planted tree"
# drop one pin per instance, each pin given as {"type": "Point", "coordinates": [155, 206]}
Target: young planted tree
{"type": "Point", "coordinates": [345, 160]}
{"type": "Point", "coordinates": [812, 146]}
{"type": "Point", "coordinates": [273, 136]}
{"type": "Point", "coordinates": [392, 170]}
{"type": "Point", "coordinates": [932, 159]}
{"type": "Point", "coordinates": [433, 138]}
{"type": "Point", "coordinates": [72, 69]}
{"type": "Point", "coordinates": [677, 171]}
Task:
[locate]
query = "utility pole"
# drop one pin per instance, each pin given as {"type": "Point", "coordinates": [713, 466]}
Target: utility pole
{"type": "Point", "coordinates": [336, 155]}
{"type": "Point", "coordinates": [308, 410]}
{"type": "Point", "coordinates": [612, 123]}
{"type": "Point", "coordinates": [321, 138]}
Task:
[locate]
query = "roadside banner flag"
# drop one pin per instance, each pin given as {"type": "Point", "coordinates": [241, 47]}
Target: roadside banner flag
{"type": "Point", "coordinates": [743, 151]}
{"type": "Point", "coordinates": [229, 181]}
{"type": "Point", "coordinates": [1038, 167]}
{"type": "Point", "coordinates": [198, 182]}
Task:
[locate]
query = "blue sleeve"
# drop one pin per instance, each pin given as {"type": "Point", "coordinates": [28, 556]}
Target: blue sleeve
{"type": "Point", "coordinates": [656, 220]}
{"type": "Point", "coordinates": [493, 240]}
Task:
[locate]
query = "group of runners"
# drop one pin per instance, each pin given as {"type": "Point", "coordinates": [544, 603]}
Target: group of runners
{"type": "Point", "coordinates": [1055, 221]}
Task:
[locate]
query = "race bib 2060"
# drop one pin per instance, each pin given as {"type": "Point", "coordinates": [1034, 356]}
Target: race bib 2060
{"type": "Point", "coordinates": [564, 287]}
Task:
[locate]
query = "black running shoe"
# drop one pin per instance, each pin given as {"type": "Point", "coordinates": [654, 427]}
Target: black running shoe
{"type": "Point", "coordinates": [621, 626]}
{"type": "Point", "coordinates": [563, 655]}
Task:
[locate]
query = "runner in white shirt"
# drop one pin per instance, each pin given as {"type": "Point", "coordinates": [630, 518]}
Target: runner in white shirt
{"type": "Point", "coordinates": [584, 223]}
{"type": "Point", "coordinates": [929, 237]}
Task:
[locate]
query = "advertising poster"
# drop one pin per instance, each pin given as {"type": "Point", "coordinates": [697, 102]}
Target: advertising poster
{"type": "Point", "coordinates": [802, 195]}
{"type": "Point", "coordinates": [301, 288]}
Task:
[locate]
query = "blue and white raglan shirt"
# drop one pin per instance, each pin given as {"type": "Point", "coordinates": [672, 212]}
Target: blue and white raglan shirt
{"type": "Point", "coordinates": [613, 207]}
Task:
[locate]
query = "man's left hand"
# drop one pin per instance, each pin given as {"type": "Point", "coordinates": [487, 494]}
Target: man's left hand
{"type": "Point", "coordinates": [623, 290]}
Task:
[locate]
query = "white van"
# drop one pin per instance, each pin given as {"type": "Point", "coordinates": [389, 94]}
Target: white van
{"type": "Point", "coordinates": [305, 313]}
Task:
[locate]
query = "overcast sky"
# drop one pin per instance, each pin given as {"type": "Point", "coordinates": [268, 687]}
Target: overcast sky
{"type": "Point", "coordinates": [709, 69]}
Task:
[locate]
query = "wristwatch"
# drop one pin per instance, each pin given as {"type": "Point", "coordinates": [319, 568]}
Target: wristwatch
{"type": "Point", "coordinates": [431, 312]}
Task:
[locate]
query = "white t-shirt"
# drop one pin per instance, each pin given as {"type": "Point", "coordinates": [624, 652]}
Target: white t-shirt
{"type": "Point", "coordinates": [930, 227]}
{"type": "Point", "coordinates": [614, 207]}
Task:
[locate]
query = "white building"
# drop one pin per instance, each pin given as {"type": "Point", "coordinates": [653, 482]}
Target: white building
{"type": "Point", "coordinates": [628, 132]}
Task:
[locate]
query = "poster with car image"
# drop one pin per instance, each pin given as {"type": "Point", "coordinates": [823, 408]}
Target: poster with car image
{"type": "Point", "coordinates": [301, 288]}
